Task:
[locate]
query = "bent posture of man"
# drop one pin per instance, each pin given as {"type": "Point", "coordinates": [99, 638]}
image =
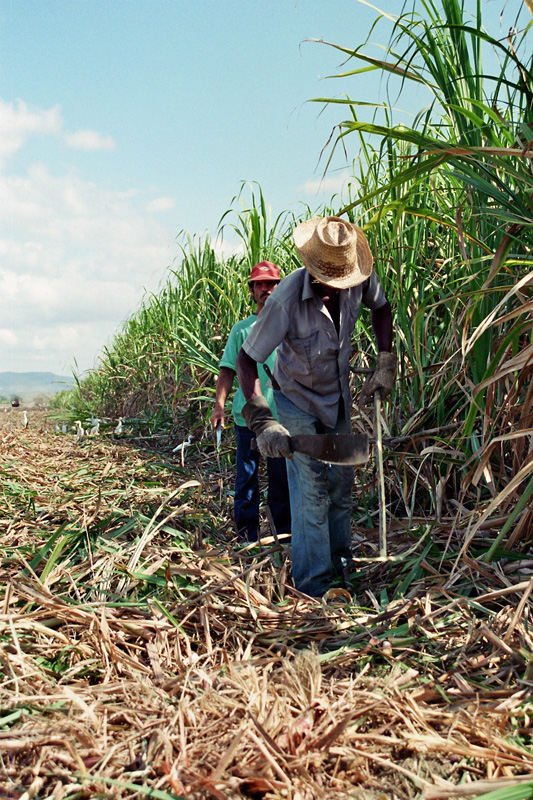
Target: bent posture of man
{"type": "Point", "coordinates": [263, 279]}
{"type": "Point", "coordinates": [310, 320]}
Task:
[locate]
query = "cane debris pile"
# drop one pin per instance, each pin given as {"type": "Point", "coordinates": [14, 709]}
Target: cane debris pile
{"type": "Point", "coordinates": [142, 649]}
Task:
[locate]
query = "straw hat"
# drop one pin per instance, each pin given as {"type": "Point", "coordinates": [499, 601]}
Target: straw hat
{"type": "Point", "coordinates": [334, 251]}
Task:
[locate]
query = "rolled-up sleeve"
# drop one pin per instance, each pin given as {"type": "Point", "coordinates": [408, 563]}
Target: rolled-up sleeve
{"type": "Point", "coordinates": [373, 294]}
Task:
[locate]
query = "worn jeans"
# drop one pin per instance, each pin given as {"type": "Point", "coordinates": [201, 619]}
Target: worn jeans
{"type": "Point", "coordinates": [321, 504]}
{"type": "Point", "coordinates": [246, 501]}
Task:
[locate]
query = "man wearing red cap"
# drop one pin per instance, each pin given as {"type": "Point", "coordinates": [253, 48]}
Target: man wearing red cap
{"type": "Point", "coordinates": [263, 279]}
{"type": "Point", "coordinates": [310, 320]}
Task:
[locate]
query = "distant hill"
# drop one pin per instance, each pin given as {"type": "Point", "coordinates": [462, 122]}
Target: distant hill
{"type": "Point", "coordinates": [29, 385]}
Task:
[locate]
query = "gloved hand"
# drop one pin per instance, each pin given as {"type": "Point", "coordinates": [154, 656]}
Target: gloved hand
{"type": "Point", "coordinates": [274, 442]}
{"type": "Point", "coordinates": [272, 437]}
{"type": "Point", "coordinates": [382, 378]}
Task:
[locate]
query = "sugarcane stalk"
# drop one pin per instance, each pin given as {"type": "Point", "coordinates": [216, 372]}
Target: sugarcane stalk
{"type": "Point", "coordinates": [378, 435]}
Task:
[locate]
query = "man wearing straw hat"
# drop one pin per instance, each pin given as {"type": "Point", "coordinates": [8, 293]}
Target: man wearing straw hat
{"type": "Point", "coordinates": [310, 318]}
{"type": "Point", "coordinates": [264, 277]}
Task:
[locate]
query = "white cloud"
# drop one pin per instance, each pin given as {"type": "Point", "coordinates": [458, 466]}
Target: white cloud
{"type": "Point", "coordinates": [18, 122]}
{"type": "Point", "coordinates": [8, 337]}
{"type": "Point", "coordinates": [331, 184]}
{"type": "Point", "coordinates": [55, 347]}
{"type": "Point", "coordinates": [225, 249]}
{"type": "Point", "coordinates": [161, 204]}
{"type": "Point", "coordinates": [75, 255]}
{"type": "Point", "coordinates": [89, 140]}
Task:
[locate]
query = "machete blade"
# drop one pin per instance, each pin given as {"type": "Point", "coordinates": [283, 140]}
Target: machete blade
{"type": "Point", "coordinates": [349, 449]}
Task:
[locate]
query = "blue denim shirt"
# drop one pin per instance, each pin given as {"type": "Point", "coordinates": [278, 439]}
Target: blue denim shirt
{"type": "Point", "coordinates": [312, 366]}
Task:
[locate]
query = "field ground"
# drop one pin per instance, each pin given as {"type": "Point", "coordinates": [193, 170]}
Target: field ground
{"type": "Point", "coordinates": [144, 652]}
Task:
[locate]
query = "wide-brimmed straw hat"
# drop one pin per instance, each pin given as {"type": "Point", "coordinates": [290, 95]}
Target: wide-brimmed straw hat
{"type": "Point", "coordinates": [334, 251]}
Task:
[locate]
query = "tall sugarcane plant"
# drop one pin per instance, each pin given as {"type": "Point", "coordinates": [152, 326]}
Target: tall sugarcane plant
{"type": "Point", "coordinates": [161, 367]}
{"type": "Point", "coordinates": [446, 201]}
{"type": "Point", "coordinates": [446, 205]}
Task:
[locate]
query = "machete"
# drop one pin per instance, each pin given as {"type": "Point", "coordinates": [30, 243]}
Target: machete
{"type": "Point", "coordinates": [349, 449]}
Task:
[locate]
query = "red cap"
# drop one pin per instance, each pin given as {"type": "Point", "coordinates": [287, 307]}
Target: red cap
{"type": "Point", "coordinates": [265, 271]}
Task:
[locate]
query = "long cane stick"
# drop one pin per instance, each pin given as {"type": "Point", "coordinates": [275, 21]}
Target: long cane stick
{"type": "Point", "coordinates": [378, 434]}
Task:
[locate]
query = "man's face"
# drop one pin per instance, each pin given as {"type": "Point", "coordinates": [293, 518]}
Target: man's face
{"type": "Point", "coordinates": [261, 291]}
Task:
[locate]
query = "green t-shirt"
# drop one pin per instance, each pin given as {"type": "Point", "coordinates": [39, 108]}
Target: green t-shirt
{"type": "Point", "coordinates": [237, 335]}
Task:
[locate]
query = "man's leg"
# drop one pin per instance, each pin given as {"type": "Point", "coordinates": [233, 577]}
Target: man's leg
{"type": "Point", "coordinates": [246, 500]}
{"type": "Point", "coordinates": [341, 480]}
{"type": "Point", "coordinates": [340, 515]}
{"type": "Point", "coordinates": [278, 494]}
{"type": "Point", "coordinates": [308, 487]}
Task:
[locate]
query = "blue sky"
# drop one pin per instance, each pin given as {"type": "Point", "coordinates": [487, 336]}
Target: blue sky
{"type": "Point", "coordinates": [124, 122]}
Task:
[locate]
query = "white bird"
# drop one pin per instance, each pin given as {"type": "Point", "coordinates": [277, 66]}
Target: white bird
{"type": "Point", "coordinates": [120, 427]}
{"type": "Point", "coordinates": [183, 445]}
{"type": "Point", "coordinates": [95, 430]}
{"type": "Point", "coordinates": [63, 428]}
{"type": "Point", "coordinates": [24, 419]}
{"type": "Point", "coordinates": [56, 428]}
{"type": "Point", "coordinates": [80, 433]}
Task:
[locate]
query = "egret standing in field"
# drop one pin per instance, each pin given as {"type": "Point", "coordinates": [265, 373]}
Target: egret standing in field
{"type": "Point", "coordinates": [120, 427]}
{"type": "Point", "coordinates": [80, 433]}
{"type": "Point", "coordinates": [24, 419]}
{"type": "Point", "coordinates": [95, 430]}
{"type": "Point", "coordinates": [183, 445]}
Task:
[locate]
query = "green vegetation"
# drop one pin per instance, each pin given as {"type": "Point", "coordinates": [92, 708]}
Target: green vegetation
{"type": "Point", "coordinates": [452, 215]}
{"type": "Point", "coordinates": [446, 205]}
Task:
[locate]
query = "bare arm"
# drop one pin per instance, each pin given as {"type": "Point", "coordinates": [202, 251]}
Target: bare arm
{"type": "Point", "coordinates": [384, 374]}
{"type": "Point", "coordinates": [223, 388]}
{"type": "Point", "coordinates": [382, 326]}
{"type": "Point", "coordinates": [247, 375]}
{"type": "Point", "coordinates": [273, 440]}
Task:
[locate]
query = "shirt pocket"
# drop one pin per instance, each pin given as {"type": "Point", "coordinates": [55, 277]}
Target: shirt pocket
{"type": "Point", "coordinates": [301, 358]}
{"type": "Point", "coordinates": [314, 359]}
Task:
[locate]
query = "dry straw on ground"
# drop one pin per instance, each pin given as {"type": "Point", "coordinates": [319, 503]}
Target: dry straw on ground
{"type": "Point", "coordinates": [144, 653]}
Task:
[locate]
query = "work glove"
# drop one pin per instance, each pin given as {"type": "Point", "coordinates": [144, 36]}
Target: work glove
{"type": "Point", "coordinates": [273, 440]}
{"type": "Point", "coordinates": [382, 378]}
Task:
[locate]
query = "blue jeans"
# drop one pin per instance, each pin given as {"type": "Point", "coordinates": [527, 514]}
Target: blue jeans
{"type": "Point", "coordinates": [321, 505]}
{"type": "Point", "coordinates": [246, 502]}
